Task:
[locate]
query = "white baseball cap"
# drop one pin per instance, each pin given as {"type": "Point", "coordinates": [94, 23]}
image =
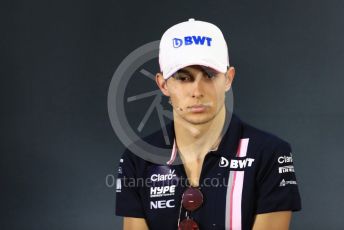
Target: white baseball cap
{"type": "Point", "coordinates": [192, 43]}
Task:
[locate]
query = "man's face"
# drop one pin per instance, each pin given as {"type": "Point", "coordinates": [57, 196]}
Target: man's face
{"type": "Point", "coordinates": [197, 93]}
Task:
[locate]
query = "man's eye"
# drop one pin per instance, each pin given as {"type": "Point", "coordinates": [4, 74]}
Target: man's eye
{"type": "Point", "coordinates": [182, 76]}
{"type": "Point", "coordinates": [211, 76]}
{"type": "Point", "coordinates": [210, 73]}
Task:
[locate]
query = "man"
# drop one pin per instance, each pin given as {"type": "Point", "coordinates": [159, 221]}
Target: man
{"type": "Point", "coordinates": [237, 177]}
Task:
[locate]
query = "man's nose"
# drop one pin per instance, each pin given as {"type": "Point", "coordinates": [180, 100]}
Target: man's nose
{"type": "Point", "coordinates": [197, 88]}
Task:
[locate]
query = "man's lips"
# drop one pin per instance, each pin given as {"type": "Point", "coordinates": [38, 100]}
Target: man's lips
{"type": "Point", "coordinates": [198, 108]}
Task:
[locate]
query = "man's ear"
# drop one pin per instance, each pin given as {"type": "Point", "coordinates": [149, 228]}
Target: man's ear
{"type": "Point", "coordinates": [229, 77]}
{"type": "Point", "coordinates": [162, 84]}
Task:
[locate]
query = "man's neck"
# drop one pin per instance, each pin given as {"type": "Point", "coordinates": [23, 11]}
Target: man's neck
{"type": "Point", "coordinates": [195, 141]}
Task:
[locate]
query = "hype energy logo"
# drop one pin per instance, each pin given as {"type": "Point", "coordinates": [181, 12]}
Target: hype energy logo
{"type": "Point", "coordinates": [192, 40]}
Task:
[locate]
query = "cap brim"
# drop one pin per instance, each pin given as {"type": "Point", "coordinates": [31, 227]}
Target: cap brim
{"type": "Point", "coordinates": [216, 67]}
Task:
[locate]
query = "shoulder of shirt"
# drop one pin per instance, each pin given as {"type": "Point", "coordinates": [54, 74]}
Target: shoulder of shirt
{"type": "Point", "coordinates": [261, 138]}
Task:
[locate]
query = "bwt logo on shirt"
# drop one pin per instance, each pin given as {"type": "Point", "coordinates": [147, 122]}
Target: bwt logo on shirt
{"type": "Point", "coordinates": [236, 164]}
{"type": "Point", "coordinates": [241, 163]}
{"type": "Point", "coordinates": [190, 40]}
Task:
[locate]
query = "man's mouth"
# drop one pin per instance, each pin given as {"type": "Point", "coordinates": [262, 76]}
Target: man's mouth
{"type": "Point", "coordinates": [198, 108]}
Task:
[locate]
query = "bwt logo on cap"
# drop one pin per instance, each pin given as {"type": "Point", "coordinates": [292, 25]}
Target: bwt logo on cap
{"type": "Point", "coordinates": [190, 40]}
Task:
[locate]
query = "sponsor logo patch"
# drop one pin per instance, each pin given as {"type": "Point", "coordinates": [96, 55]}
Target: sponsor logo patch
{"type": "Point", "coordinates": [162, 191]}
{"type": "Point", "coordinates": [118, 185]}
{"type": "Point", "coordinates": [192, 40]}
{"type": "Point", "coordinates": [241, 164]}
{"type": "Point", "coordinates": [236, 163]}
{"type": "Point", "coordinates": [285, 159]}
{"type": "Point", "coordinates": [286, 169]}
{"type": "Point", "coordinates": [223, 162]}
{"type": "Point", "coordinates": [162, 204]}
{"type": "Point", "coordinates": [287, 182]}
{"type": "Point", "coordinates": [163, 177]}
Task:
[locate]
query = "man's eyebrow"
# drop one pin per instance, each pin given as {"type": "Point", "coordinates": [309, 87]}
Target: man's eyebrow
{"type": "Point", "coordinates": [202, 69]}
{"type": "Point", "coordinates": [184, 71]}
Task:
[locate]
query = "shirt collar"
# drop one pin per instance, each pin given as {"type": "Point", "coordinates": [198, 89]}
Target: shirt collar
{"type": "Point", "coordinates": [231, 136]}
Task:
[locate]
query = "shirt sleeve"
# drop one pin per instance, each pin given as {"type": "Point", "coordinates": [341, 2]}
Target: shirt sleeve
{"type": "Point", "coordinates": [276, 181]}
{"type": "Point", "coordinates": [128, 199]}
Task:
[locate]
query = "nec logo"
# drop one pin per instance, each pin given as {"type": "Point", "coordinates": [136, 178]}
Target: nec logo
{"type": "Point", "coordinates": [160, 204]}
{"type": "Point", "coordinates": [190, 40]}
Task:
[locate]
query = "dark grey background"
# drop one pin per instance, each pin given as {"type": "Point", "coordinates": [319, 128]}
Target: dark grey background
{"type": "Point", "coordinates": [57, 60]}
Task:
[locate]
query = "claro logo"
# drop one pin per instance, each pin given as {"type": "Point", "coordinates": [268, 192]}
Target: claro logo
{"type": "Point", "coordinates": [285, 159]}
{"type": "Point", "coordinates": [163, 177]}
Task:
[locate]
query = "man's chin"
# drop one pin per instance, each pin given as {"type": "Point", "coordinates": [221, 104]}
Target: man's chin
{"type": "Point", "coordinates": [198, 118]}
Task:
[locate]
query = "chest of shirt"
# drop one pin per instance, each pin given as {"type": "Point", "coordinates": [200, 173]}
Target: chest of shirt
{"type": "Point", "coordinates": [162, 193]}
